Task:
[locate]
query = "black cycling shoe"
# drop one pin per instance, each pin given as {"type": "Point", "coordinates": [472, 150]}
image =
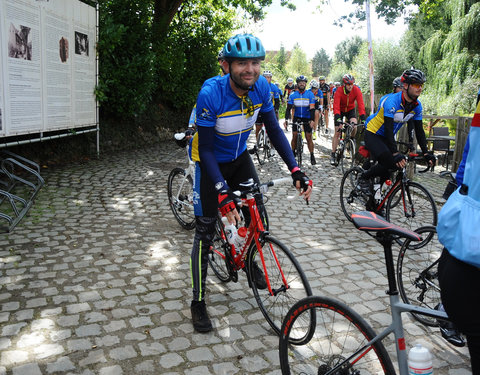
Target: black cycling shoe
{"type": "Point", "coordinates": [333, 159]}
{"type": "Point", "coordinates": [449, 331]}
{"type": "Point", "coordinates": [363, 184]}
{"type": "Point", "coordinates": [258, 277]}
{"type": "Point", "coordinates": [312, 159]}
{"type": "Point", "coordinates": [201, 321]}
{"type": "Point", "coordinates": [253, 150]}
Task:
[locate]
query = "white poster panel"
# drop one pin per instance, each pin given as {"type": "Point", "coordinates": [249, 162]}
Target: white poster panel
{"type": "Point", "coordinates": [84, 64]}
{"type": "Point", "coordinates": [58, 45]}
{"type": "Point", "coordinates": [2, 54]}
{"type": "Point", "coordinates": [23, 99]}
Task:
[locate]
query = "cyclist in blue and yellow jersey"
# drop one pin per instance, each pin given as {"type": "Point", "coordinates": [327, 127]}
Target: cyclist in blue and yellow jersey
{"type": "Point", "coordinates": [397, 87]}
{"type": "Point", "coordinates": [301, 106]}
{"type": "Point", "coordinates": [275, 94]}
{"type": "Point", "coordinates": [318, 94]}
{"type": "Point", "coordinates": [397, 110]}
{"type": "Point", "coordinates": [325, 88]}
{"type": "Point", "coordinates": [227, 108]}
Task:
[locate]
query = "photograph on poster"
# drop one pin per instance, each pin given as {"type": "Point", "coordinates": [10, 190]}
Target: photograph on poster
{"type": "Point", "coordinates": [63, 49]}
{"type": "Point", "coordinates": [81, 44]}
{"type": "Point", "coordinates": [19, 42]}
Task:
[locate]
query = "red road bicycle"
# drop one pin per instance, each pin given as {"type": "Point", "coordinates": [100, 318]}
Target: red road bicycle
{"type": "Point", "coordinates": [285, 279]}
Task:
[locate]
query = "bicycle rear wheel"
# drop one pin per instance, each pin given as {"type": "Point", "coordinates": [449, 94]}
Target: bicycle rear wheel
{"type": "Point", "coordinates": [217, 258]}
{"type": "Point", "coordinates": [180, 197]}
{"type": "Point", "coordinates": [352, 198]}
{"type": "Point", "coordinates": [338, 333]}
{"type": "Point", "coordinates": [417, 274]}
{"type": "Point", "coordinates": [348, 155]}
{"type": "Point", "coordinates": [415, 209]}
{"type": "Point", "coordinates": [274, 307]}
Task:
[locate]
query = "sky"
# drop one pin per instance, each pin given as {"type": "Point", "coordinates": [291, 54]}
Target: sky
{"type": "Point", "coordinates": [313, 29]}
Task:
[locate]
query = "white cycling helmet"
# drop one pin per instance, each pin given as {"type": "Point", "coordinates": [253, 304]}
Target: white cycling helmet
{"type": "Point", "coordinates": [290, 80]}
{"type": "Point", "coordinates": [314, 84]}
{"type": "Point", "coordinates": [267, 73]}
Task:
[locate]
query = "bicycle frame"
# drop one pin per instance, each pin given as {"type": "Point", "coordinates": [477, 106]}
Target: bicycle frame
{"type": "Point", "coordinates": [255, 234]}
{"type": "Point", "coordinates": [189, 171]}
{"type": "Point", "coordinates": [397, 308]}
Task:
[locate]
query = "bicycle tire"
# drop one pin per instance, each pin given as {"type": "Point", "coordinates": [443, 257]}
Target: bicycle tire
{"type": "Point", "coordinates": [274, 308]}
{"type": "Point", "coordinates": [217, 258]}
{"type": "Point", "coordinates": [348, 155]}
{"type": "Point", "coordinates": [299, 149]}
{"type": "Point", "coordinates": [419, 201]}
{"type": "Point", "coordinates": [417, 274]}
{"type": "Point", "coordinates": [261, 147]}
{"type": "Point", "coordinates": [352, 199]}
{"type": "Point", "coordinates": [339, 333]}
{"type": "Point", "coordinates": [321, 124]}
{"type": "Point", "coordinates": [180, 197]}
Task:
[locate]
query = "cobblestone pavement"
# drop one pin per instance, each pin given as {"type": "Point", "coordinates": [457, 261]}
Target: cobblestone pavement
{"type": "Point", "coordinates": [95, 280]}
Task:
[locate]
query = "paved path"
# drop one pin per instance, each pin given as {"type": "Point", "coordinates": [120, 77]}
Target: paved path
{"type": "Point", "coordinates": [95, 280]}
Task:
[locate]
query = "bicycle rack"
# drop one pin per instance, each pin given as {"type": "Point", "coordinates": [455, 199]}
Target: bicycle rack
{"type": "Point", "coordinates": [20, 182]}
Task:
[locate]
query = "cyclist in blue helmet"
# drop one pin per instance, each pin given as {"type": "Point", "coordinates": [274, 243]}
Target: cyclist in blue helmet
{"type": "Point", "coordinates": [227, 108]}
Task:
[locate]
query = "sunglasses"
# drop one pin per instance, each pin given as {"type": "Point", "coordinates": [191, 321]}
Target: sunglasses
{"type": "Point", "coordinates": [249, 104]}
{"type": "Point", "coordinates": [417, 85]}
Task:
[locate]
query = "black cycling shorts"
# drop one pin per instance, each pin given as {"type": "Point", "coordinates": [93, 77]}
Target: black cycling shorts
{"type": "Point", "coordinates": [347, 115]}
{"type": "Point", "coordinates": [302, 121]}
{"type": "Point", "coordinates": [276, 104]}
{"type": "Point", "coordinates": [325, 101]}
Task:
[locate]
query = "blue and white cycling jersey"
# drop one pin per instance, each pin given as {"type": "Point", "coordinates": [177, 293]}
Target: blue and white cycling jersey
{"type": "Point", "coordinates": [392, 107]}
{"type": "Point", "coordinates": [232, 116]}
{"type": "Point", "coordinates": [317, 96]}
{"type": "Point", "coordinates": [302, 102]}
{"type": "Point", "coordinates": [275, 92]}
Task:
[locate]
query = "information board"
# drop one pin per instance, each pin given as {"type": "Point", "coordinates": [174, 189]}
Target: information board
{"type": "Point", "coordinates": [48, 66]}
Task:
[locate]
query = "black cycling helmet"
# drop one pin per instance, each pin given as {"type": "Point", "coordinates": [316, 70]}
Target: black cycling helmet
{"type": "Point", "coordinates": [348, 79]}
{"type": "Point", "coordinates": [413, 76]}
{"type": "Point", "coordinates": [397, 82]}
{"type": "Point", "coordinates": [244, 46]}
{"type": "Point", "coordinates": [302, 78]}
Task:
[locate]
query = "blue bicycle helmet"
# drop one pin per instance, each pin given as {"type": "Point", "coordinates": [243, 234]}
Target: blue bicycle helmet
{"type": "Point", "coordinates": [244, 46]}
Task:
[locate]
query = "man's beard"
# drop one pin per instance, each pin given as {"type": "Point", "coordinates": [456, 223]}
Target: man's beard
{"type": "Point", "coordinates": [239, 82]}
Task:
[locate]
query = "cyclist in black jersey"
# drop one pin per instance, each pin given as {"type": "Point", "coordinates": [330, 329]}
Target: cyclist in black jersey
{"type": "Point", "coordinates": [325, 87]}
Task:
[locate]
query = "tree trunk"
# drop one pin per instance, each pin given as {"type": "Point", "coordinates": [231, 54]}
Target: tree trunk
{"type": "Point", "coordinates": [164, 11]}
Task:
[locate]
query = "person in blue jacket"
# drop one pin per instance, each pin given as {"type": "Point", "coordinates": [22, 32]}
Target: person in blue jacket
{"type": "Point", "coordinates": [227, 108]}
{"type": "Point", "coordinates": [459, 265]}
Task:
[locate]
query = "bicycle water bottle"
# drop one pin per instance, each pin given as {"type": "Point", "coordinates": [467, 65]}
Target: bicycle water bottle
{"type": "Point", "coordinates": [420, 361]}
{"type": "Point", "coordinates": [240, 238]}
{"type": "Point", "coordinates": [378, 192]}
{"type": "Point", "coordinates": [386, 187]}
{"type": "Point", "coordinates": [230, 231]}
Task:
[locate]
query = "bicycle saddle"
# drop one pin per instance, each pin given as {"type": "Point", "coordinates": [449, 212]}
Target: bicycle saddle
{"type": "Point", "coordinates": [371, 222]}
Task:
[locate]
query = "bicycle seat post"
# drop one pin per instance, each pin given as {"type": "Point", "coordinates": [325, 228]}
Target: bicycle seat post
{"type": "Point", "coordinates": [387, 240]}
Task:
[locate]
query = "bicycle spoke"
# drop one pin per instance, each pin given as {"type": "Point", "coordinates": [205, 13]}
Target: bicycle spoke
{"type": "Point", "coordinates": [180, 197]}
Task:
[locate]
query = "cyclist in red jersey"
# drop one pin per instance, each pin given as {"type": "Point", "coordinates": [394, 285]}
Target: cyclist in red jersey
{"type": "Point", "coordinates": [344, 106]}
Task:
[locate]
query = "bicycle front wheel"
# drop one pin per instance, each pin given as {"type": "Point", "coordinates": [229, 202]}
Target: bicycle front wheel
{"type": "Point", "coordinates": [339, 338]}
{"type": "Point", "coordinates": [348, 155]}
{"type": "Point", "coordinates": [217, 254]}
{"type": "Point", "coordinates": [417, 274]}
{"type": "Point", "coordinates": [180, 197]}
{"type": "Point", "coordinates": [352, 198]}
{"type": "Point", "coordinates": [285, 276]}
{"type": "Point", "coordinates": [260, 150]}
{"type": "Point", "coordinates": [299, 150]}
{"type": "Point", "coordinates": [415, 208]}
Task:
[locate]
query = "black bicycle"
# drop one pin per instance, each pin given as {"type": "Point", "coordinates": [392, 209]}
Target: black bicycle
{"type": "Point", "coordinates": [345, 152]}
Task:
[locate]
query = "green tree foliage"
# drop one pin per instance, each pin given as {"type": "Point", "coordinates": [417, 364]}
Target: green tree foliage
{"type": "Point", "coordinates": [347, 50]}
{"type": "Point", "coordinates": [388, 63]}
{"type": "Point", "coordinates": [451, 55]}
{"type": "Point", "coordinates": [321, 63]}
{"type": "Point", "coordinates": [281, 58]}
{"type": "Point", "coordinates": [126, 82]}
{"type": "Point", "coordinates": [298, 64]}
